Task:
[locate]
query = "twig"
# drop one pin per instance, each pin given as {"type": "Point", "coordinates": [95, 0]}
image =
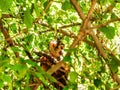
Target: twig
{"type": "Point", "coordinates": [109, 8]}
{"type": "Point", "coordinates": [70, 25]}
{"type": "Point", "coordinates": [46, 25]}
{"type": "Point", "coordinates": [23, 31]}
{"type": "Point", "coordinates": [40, 32]}
{"type": "Point", "coordinates": [44, 11]}
{"type": "Point", "coordinates": [29, 55]}
{"type": "Point", "coordinates": [6, 16]}
{"type": "Point", "coordinates": [116, 88]}
{"type": "Point", "coordinates": [66, 33]}
{"type": "Point", "coordinates": [60, 29]}
{"type": "Point", "coordinates": [104, 24]}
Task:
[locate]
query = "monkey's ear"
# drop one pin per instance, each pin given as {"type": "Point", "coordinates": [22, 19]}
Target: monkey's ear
{"type": "Point", "coordinates": [53, 44]}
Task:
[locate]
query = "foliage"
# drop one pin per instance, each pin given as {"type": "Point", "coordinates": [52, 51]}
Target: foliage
{"type": "Point", "coordinates": [92, 50]}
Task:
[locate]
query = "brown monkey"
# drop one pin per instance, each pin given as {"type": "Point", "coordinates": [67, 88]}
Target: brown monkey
{"type": "Point", "coordinates": [48, 60]}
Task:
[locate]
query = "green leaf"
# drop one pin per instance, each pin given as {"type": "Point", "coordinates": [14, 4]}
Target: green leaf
{"type": "Point", "coordinates": [113, 16]}
{"type": "Point", "coordinates": [118, 1]}
{"type": "Point", "coordinates": [30, 62]}
{"type": "Point", "coordinates": [109, 31]}
{"type": "Point", "coordinates": [67, 59]}
{"type": "Point", "coordinates": [72, 86]}
{"type": "Point", "coordinates": [5, 4]}
{"type": "Point", "coordinates": [102, 69]}
{"type": "Point", "coordinates": [1, 83]}
{"type": "Point", "coordinates": [6, 78]}
{"type": "Point", "coordinates": [28, 20]}
{"type": "Point", "coordinates": [102, 1]}
{"type": "Point", "coordinates": [15, 49]}
{"type": "Point", "coordinates": [66, 88]}
{"type": "Point", "coordinates": [20, 70]}
{"type": "Point", "coordinates": [4, 61]}
{"type": "Point", "coordinates": [73, 76]}
{"type": "Point", "coordinates": [114, 63]}
{"type": "Point", "coordinates": [45, 4]}
{"type": "Point", "coordinates": [19, 1]}
{"type": "Point", "coordinates": [97, 82]}
{"type": "Point", "coordinates": [107, 86]}
{"type": "Point", "coordinates": [37, 10]}
{"type": "Point", "coordinates": [91, 87]}
{"type": "Point", "coordinates": [0, 14]}
{"type": "Point", "coordinates": [29, 38]}
{"type": "Point", "coordinates": [13, 28]}
{"type": "Point", "coordinates": [49, 20]}
{"type": "Point", "coordinates": [66, 5]}
{"type": "Point", "coordinates": [51, 78]}
{"type": "Point", "coordinates": [41, 77]}
{"type": "Point", "coordinates": [116, 60]}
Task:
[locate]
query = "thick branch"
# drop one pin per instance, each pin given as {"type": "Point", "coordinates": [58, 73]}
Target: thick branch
{"type": "Point", "coordinates": [79, 11]}
{"type": "Point", "coordinates": [56, 67]}
{"type": "Point", "coordinates": [7, 36]}
{"type": "Point", "coordinates": [91, 9]}
{"type": "Point", "coordinates": [81, 35]}
{"type": "Point", "coordinates": [98, 45]}
{"type": "Point", "coordinates": [87, 22]}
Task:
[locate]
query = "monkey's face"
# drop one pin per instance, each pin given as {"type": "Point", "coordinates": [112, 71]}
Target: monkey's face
{"type": "Point", "coordinates": [56, 49]}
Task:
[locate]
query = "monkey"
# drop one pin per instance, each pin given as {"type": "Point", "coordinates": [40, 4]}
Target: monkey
{"type": "Point", "coordinates": [47, 60]}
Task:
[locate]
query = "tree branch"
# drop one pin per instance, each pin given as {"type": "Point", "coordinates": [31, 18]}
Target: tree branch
{"type": "Point", "coordinates": [6, 16]}
{"type": "Point", "coordinates": [70, 25]}
{"type": "Point", "coordinates": [79, 11]}
{"type": "Point", "coordinates": [98, 45]}
{"type": "Point", "coordinates": [104, 24]}
{"type": "Point", "coordinates": [56, 67]}
{"type": "Point", "coordinates": [66, 33]}
{"type": "Point", "coordinates": [7, 37]}
{"type": "Point", "coordinates": [91, 9]}
{"type": "Point", "coordinates": [82, 34]}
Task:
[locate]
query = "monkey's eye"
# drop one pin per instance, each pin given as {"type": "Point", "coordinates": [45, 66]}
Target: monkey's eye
{"type": "Point", "coordinates": [60, 53]}
{"type": "Point", "coordinates": [61, 47]}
